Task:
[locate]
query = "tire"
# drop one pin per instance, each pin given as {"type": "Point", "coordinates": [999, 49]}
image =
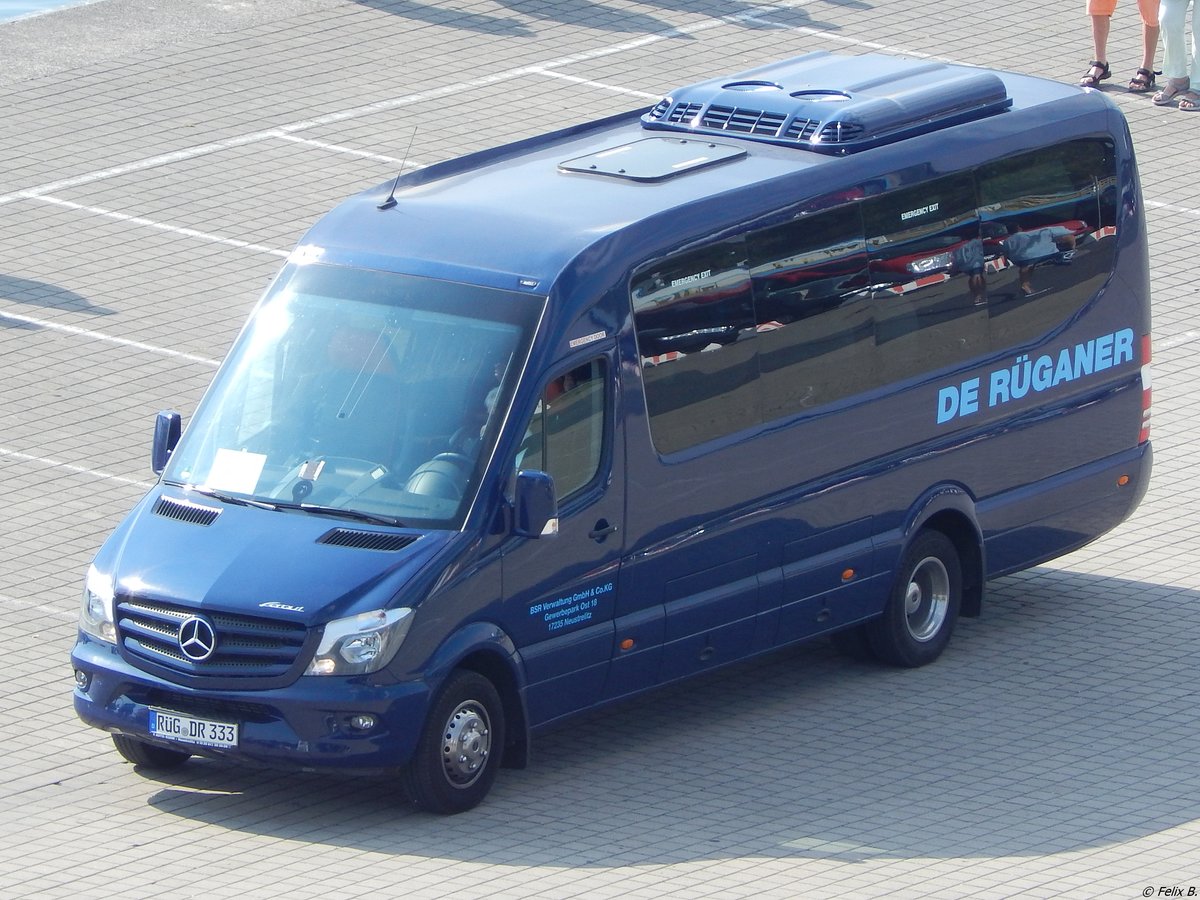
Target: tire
{"type": "Point", "coordinates": [149, 756]}
{"type": "Point", "coordinates": [920, 614]}
{"type": "Point", "coordinates": [460, 747]}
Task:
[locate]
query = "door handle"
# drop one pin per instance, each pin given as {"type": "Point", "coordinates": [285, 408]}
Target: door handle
{"type": "Point", "coordinates": [602, 530]}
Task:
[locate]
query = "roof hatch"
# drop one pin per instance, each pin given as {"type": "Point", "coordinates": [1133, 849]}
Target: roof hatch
{"type": "Point", "coordinates": [833, 103]}
{"type": "Point", "coordinates": [653, 159]}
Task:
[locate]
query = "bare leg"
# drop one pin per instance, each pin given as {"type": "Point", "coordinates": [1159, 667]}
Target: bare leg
{"type": "Point", "coordinates": [1099, 71]}
{"type": "Point", "coordinates": [1149, 46]}
{"type": "Point", "coordinates": [1100, 26]}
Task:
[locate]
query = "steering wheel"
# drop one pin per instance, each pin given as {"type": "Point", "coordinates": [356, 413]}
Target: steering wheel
{"type": "Point", "coordinates": [460, 459]}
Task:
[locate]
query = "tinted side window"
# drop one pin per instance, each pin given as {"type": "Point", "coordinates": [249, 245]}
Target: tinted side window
{"type": "Point", "coordinates": [816, 339]}
{"type": "Point", "coordinates": [1048, 221]}
{"type": "Point", "coordinates": [927, 276]}
{"type": "Point", "coordinates": [695, 332]}
{"type": "Point", "coordinates": [566, 435]}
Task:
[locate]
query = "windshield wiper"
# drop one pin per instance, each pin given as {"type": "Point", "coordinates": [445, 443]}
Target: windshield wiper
{"type": "Point", "coordinates": [314, 508]}
{"type": "Point", "coordinates": [231, 498]}
{"type": "Point", "coordinates": [342, 512]}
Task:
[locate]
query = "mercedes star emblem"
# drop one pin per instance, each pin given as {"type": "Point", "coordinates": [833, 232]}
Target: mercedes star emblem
{"type": "Point", "coordinates": [197, 639]}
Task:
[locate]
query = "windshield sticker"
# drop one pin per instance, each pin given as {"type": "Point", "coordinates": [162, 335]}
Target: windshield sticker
{"type": "Point", "coordinates": [236, 470]}
{"type": "Point", "coordinates": [1027, 375]}
{"type": "Point", "coordinates": [587, 339]}
{"type": "Point", "coordinates": [573, 609]}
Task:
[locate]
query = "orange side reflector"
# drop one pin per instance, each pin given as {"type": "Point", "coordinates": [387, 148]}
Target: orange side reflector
{"type": "Point", "coordinates": [627, 644]}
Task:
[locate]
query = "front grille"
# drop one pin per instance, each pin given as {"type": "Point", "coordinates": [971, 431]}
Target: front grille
{"type": "Point", "coordinates": [247, 647]}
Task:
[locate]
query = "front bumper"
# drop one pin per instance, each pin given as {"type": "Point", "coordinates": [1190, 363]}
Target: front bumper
{"type": "Point", "coordinates": [306, 725]}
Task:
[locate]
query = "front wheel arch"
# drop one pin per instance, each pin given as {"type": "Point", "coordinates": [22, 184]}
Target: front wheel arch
{"type": "Point", "coordinates": [485, 648]}
{"type": "Point", "coordinates": [963, 532]}
{"type": "Point", "coordinates": [496, 670]}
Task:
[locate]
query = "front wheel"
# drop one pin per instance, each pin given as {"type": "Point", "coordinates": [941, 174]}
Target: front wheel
{"type": "Point", "coordinates": [923, 607]}
{"type": "Point", "coordinates": [149, 756]}
{"type": "Point", "coordinates": [460, 748]}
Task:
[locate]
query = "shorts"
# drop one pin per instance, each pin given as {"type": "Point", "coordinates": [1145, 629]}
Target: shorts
{"type": "Point", "coordinates": [1148, 9]}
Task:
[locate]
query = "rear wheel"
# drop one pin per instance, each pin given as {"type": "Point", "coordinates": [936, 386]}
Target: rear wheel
{"type": "Point", "coordinates": [920, 614]}
{"type": "Point", "coordinates": [149, 756]}
{"type": "Point", "coordinates": [460, 748]}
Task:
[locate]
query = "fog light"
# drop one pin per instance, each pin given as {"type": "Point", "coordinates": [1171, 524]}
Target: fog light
{"type": "Point", "coordinates": [82, 679]}
{"type": "Point", "coordinates": [362, 722]}
{"type": "Point", "coordinates": [322, 667]}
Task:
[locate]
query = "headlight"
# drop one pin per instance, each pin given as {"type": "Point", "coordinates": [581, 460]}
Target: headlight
{"type": "Point", "coordinates": [96, 611]}
{"type": "Point", "coordinates": [359, 645]}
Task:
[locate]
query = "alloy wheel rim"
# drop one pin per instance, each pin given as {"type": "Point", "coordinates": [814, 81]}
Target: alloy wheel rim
{"type": "Point", "coordinates": [927, 599]}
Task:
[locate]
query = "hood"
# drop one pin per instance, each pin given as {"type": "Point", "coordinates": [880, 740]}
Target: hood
{"type": "Point", "coordinates": [182, 548]}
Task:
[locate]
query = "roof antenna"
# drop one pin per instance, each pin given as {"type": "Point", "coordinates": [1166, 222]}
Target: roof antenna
{"type": "Point", "coordinates": [391, 198]}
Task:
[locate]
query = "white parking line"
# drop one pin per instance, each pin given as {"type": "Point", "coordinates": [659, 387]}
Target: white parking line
{"type": "Point", "coordinates": [38, 607]}
{"type": "Point", "coordinates": [80, 470]}
{"type": "Point", "coordinates": [1175, 340]}
{"type": "Point", "coordinates": [575, 79]}
{"type": "Point", "coordinates": [1171, 207]}
{"type": "Point", "coordinates": [352, 151]}
{"type": "Point", "coordinates": [136, 166]}
{"type": "Point", "coordinates": [854, 42]}
{"type": "Point", "coordinates": [163, 226]}
{"type": "Point", "coordinates": [111, 339]}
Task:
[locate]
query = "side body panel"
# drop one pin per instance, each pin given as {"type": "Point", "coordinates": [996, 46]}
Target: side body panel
{"type": "Point", "coordinates": [779, 531]}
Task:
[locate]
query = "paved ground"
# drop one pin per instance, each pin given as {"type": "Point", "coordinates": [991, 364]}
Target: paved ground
{"type": "Point", "coordinates": [158, 158]}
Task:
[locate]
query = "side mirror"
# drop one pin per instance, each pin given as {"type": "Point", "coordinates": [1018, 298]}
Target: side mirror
{"type": "Point", "coordinates": [167, 427]}
{"type": "Point", "coordinates": [535, 508]}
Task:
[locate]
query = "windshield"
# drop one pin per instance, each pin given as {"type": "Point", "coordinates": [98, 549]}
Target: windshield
{"type": "Point", "coordinates": [361, 391]}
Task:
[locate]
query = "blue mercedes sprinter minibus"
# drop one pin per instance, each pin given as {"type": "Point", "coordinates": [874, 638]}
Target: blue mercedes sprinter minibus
{"type": "Point", "coordinates": [814, 349]}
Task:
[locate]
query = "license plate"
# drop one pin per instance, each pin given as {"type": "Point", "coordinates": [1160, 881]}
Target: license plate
{"type": "Point", "coordinates": [189, 730]}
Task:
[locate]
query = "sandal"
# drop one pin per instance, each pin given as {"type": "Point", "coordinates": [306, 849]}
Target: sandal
{"type": "Point", "coordinates": [1093, 80]}
{"type": "Point", "coordinates": [1190, 102]}
{"type": "Point", "coordinates": [1175, 87]}
{"type": "Point", "coordinates": [1142, 82]}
